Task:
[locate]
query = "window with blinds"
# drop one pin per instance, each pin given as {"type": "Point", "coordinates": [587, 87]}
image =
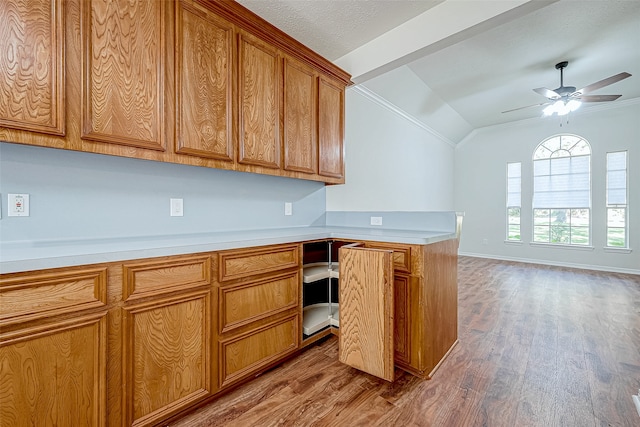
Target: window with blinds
{"type": "Point", "coordinates": [514, 196]}
{"type": "Point", "coordinates": [562, 191]}
{"type": "Point", "coordinates": [617, 226]}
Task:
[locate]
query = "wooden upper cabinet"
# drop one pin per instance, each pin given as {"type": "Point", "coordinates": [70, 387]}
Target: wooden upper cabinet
{"type": "Point", "coordinates": [204, 83]}
{"type": "Point", "coordinates": [259, 96]}
{"type": "Point", "coordinates": [300, 117]}
{"type": "Point", "coordinates": [330, 128]}
{"type": "Point", "coordinates": [32, 66]}
{"type": "Point", "coordinates": [124, 72]}
{"type": "Point", "coordinates": [366, 310]}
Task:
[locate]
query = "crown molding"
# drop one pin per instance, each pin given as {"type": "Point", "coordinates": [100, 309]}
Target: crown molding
{"type": "Point", "coordinates": [372, 96]}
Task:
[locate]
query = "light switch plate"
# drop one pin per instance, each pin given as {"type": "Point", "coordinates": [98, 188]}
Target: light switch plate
{"type": "Point", "coordinates": [288, 208]}
{"type": "Point", "coordinates": [18, 205]}
{"type": "Point", "coordinates": [177, 207]}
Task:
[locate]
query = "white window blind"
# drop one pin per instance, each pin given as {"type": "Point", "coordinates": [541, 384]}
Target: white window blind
{"type": "Point", "coordinates": [563, 182]}
{"type": "Point", "coordinates": [617, 178]}
{"type": "Point", "coordinates": [514, 184]}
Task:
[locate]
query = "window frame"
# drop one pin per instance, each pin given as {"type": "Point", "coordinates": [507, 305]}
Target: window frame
{"type": "Point", "coordinates": [566, 228]}
{"type": "Point", "coordinates": [617, 206]}
{"type": "Point", "coordinates": [510, 206]}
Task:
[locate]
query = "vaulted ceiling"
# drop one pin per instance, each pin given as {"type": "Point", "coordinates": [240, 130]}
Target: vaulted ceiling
{"type": "Point", "coordinates": [468, 59]}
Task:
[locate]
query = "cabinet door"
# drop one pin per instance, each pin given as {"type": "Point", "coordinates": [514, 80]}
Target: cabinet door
{"type": "Point", "coordinates": [366, 310]}
{"type": "Point", "coordinates": [204, 76]}
{"type": "Point", "coordinates": [259, 86]}
{"type": "Point", "coordinates": [330, 128]}
{"type": "Point", "coordinates": [166, 356]}
{"type": "Point", "coordinates": [299, 110]}
{"type": "Point", "coordinates": [124, 72]}
{"type": "Point", "coordinates": [55, 374]}
{"type": "Point", "coordinates": [31, 66]}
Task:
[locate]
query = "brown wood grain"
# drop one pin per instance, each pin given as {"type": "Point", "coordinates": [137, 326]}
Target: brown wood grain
{"type": "Point", "coordinates": [242, 263]}
{"type": "Point", "coordinates": [27, 297]}
{"type": "Point", "coordinates": [300, 117]}
{"type": "Point", "coordinates": [366, 310]}
{"type": "Point", "coordinates": [330, 128]}
{"type": "Point", "coordinates": [204, 83]}
{"type": "Point", "coordinates": [259, 88]}
{"type": "Point", "coordinates": [32, 47]}
{"type": "Point", "coordinates": [152, 278]}
{"type": "Point", "coordinates": [242, 355]}
{"type": "Point", "coordinates": [55, 374]}
{"type": "Point", "coordinates": [166, 355]}
{"type": "Point", "coordinates": [124, 66]}
{"type": "Point", "coordinates": [248, 302]}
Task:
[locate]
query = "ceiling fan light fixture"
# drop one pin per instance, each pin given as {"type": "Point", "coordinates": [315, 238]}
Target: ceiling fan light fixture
{"type": "Point", "coordinates": [562, 107]}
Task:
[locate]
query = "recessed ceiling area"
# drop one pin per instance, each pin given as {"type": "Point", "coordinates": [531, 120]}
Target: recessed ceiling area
{"type": "Point", "coordinates": [489, 67]}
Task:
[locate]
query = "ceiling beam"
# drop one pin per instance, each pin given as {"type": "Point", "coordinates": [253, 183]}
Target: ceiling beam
{"type": "Point", "coordinates": [443, 25]}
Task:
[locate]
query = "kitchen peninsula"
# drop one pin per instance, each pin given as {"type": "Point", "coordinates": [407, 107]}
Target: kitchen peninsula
{"type": "Point", "coordinates": [143, 329]}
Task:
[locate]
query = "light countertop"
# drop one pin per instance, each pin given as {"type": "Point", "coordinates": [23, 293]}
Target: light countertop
{"type": "Point", "coordinates": [42, 254]}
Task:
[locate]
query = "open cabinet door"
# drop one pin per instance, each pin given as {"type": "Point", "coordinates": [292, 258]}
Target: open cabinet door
{"type": "Point", "coordinates": [366, 310]}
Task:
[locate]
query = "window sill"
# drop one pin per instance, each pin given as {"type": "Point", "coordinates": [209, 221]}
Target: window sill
{"type": "Point", "coordinates": [618, 250]}
{"type": "Point", "coordinates": [513, 242]}
{"type": "Point", "coordinates": [560, 246]}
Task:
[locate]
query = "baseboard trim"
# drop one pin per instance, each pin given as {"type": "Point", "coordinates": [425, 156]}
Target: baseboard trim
{"type": "Point", "coordinates": [554, 263]}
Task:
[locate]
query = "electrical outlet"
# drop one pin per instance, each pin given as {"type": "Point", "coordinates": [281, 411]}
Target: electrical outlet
{"type": "Point", "coordinates": [485, 241]}
{"type": "Point", "coordinates": [288, 208]}
{"type": "Point", "coordinates": [376, 220]}
{"type": "Point", "coordinates": [177, 207]}
{"type": "Point", "coordinates": [18, 205]}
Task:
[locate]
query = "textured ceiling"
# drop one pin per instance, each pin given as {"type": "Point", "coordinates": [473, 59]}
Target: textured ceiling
{"type": "Point", "coordinates": [333, 28]}
{"type": "Point", "coordinates": [488, 71]}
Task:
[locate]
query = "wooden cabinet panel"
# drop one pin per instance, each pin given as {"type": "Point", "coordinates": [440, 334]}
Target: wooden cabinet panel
{"type": "Point", "coordinates": [401, 255]}
{"type": "Point", "coordinates": [32, 65]}
{"type": "Point", "coordinates": [249, 262]}
{"type": "Point", "coordinates": [330, 128]}
{"type": "Point", "coordinates": [151, 278]}
{"type": "Point", "coordinates": [259, 88]}
{"type": "Point", "coordinates": [204, 82]}
{"type": "Point", "coordinates": [166, 356]}
{"type": "Point", "coordinates": [25, 297]}
{"type": "Point", "coordinates": [300, 98]}
{"type": "Point", "coordinates": [402, 318]}
{"type": "Point", "coordinates": [124, 66]}
{"type": "Point", "coordinates": [366, 307]}
{"type": "Point", "coordinates": [240, 356]}
{"type": "Point", "coordinates": [242, 304]}
{"type": "Point", "coordinates": [55, 374]}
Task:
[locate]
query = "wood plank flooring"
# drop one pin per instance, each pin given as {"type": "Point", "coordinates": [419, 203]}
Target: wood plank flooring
{"type": "Point", "coordinates": [539, 346]}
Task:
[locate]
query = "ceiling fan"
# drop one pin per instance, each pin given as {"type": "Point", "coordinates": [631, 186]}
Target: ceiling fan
{"type": "Point", "coordinates": [565, 99]}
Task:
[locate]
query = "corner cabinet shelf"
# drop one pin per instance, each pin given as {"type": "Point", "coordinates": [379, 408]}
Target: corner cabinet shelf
{"type": "Point", "coordinates": [321, 308]}
{"type": "Point", "coordinates": [320, 289]}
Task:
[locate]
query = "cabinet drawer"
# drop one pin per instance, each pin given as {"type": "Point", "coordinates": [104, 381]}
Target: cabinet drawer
{"type": "Point", "coordinates": [250, 262]}
{"type": "Point", "coordinates": [254, 350]}
{"type": "Point", "coordinates": [156, 277]}
{"type": "Point", "coordinates": [401, 255]}
{"type": "Point", "coordinates": [31, 296]}
{"type": "Point", "coordinates": [240, 305]}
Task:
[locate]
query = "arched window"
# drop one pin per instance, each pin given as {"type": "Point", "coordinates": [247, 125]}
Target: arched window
{"type": "Point", "coordinates": [562, 191]}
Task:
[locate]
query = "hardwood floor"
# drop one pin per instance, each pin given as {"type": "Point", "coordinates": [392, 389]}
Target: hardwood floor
{"type": "Point", "coordinates": [539, 346]}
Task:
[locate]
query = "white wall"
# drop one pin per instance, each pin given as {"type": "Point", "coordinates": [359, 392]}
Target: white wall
{"type": "Point", "coordinates": [392, 164]}
{"type": "Point", "coordinates": [480, 165]}
{"type": "Point", "coordinates": [78, 195]}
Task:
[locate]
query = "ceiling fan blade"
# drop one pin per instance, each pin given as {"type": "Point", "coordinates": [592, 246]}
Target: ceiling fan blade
{"type": "Point", "coordinates": [547, 93]}
{"type": "Point", "coordinates": [528, 106]}
{"type": "Point", "coordinates": [597, 98]}
{"type": "Point", "coordinates": [602, 83]}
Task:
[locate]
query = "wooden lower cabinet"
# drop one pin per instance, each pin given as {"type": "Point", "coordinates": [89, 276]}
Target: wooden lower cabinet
{"type": "Point", "coordinates": [139, 342]}
{"type": "Point", "coordinates": [53, 348]}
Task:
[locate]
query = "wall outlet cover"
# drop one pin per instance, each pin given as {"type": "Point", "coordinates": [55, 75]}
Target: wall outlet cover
{"type": "Point", "coordinates": [376, 220]}
{"type": "Point", "coordinates": [18, 205]}
{"type": "Point", "coordinates": [177, 207]}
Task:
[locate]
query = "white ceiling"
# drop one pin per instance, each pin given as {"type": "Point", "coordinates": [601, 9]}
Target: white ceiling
{"type": "Point", "coordinates": [485, 69]}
